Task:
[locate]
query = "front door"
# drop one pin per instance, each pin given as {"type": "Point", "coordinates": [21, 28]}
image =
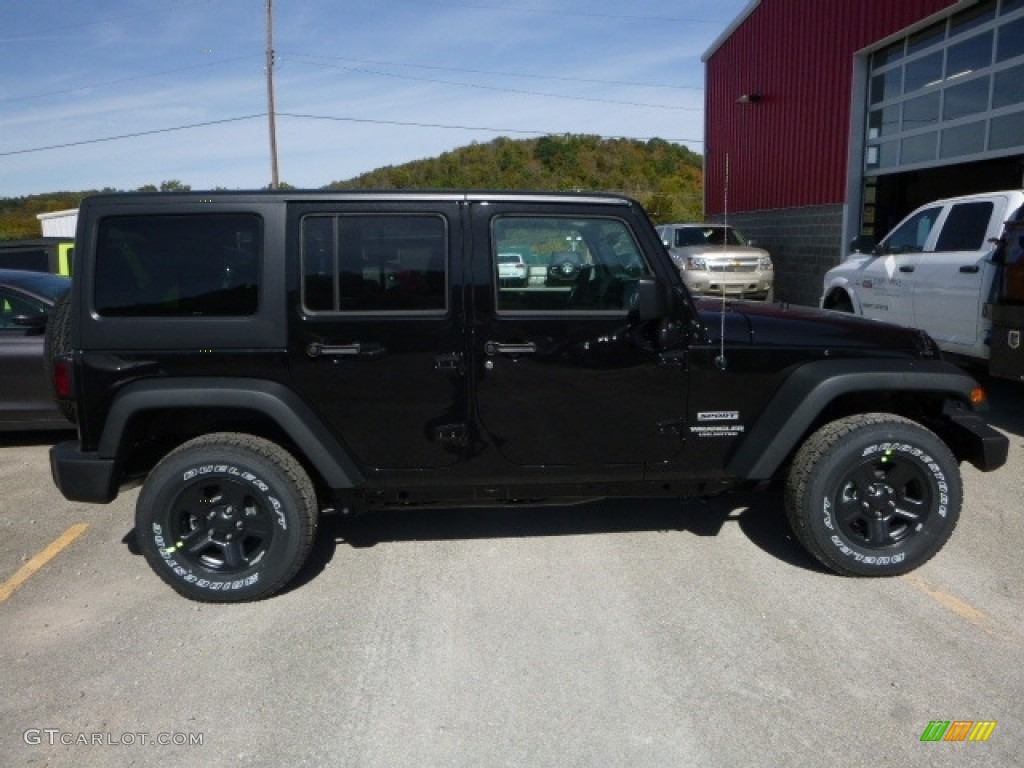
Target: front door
{"type": "Point", "coordinates": [566, 375]}
{"type": "Point", "coordinates": [886, 285]}
{"type": "Point", "coordinates": [26, 393]}
{"type": "Point", "coordinates": [379, 344]}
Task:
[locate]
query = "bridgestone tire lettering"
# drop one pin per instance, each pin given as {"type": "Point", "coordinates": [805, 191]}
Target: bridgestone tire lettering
{"type": "Point", "coordinates": [873, 495]}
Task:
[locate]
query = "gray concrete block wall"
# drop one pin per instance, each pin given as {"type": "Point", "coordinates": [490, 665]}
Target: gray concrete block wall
{"type": "Point", "coordinates": [804, 243]}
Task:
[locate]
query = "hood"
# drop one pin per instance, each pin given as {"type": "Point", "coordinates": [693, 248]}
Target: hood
{"type": "Point", "coordinates": [774, 325]}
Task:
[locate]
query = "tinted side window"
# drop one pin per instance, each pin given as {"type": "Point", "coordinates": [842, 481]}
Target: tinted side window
{"type": "Point", "coordinates": [911, 236]}
{"type": "Point", "coordinates": [178, 266]}
{"type": "Point", "coordinates": [580, 264]}
{"type": "Point", "coordinates": [12, 305]}
{"type": "Point", "coordinates": [965, 227]}
{"type": "Point", "coordinates": [374, 263]}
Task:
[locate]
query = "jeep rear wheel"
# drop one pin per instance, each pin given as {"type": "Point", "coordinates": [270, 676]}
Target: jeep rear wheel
{"type": "Point", "coordinates": [873, 495]}
{"type": "Point", "coordinates": [227, 518]}
{"type": "Point", "coordinates": [57, 341]}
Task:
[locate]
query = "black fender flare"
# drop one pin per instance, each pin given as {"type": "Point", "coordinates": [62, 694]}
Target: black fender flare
{"type": "Point", "coordinates": [813, 386]}
{"type": "Point", "coordinates": [270, 398]}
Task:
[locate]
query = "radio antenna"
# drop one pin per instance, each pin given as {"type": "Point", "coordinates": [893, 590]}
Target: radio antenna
{"type": "Point", "coordinates": [720, 361]}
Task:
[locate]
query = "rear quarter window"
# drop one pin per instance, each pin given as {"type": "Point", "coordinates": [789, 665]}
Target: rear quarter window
{"type": "Point", "coordinates": [185, 265]}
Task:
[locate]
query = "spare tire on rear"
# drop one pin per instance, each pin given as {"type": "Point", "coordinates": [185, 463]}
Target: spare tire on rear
{"type": "Point", "coordinates": [57, 342]}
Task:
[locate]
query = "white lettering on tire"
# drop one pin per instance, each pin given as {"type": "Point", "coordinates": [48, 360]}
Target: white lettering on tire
{"type": "Point", "coordinates": [167, 551]}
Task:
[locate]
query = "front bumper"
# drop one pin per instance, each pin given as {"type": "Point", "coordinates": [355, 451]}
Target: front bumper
{"type": "Point", "coordinates": [733, 285]}
{"type": "Point", "coordinates": [971, 438]}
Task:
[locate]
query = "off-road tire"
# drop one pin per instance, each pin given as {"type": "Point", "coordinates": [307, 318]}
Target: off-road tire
{"type": "Point", "coordinates": [873, 495]}
{"type": "Point", "coordinates": [57, 341]}
{"type": "Point", "coordinates": [227, 517]}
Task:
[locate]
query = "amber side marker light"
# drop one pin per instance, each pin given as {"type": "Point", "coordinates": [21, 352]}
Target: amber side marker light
{"type": "Point", "coordinates": [978, 396]}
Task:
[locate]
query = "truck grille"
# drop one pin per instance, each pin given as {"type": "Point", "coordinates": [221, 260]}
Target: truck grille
{"type": "Point", "coordinates": [732, 266]}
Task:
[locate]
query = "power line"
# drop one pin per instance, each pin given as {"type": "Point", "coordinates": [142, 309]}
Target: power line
{"type": "Point", "coordinates": [126, 79]}
{"type": "Point", "coordinates": [582, 14]}
{"type": "Point", "coordinates": [480, 128]}
{"type": "Point", "coordinates": [593, 81]}
{"type": "Point", "coordinates": [508, 90]}
{"type": "Point", "coordinates": [130, 135]}
{"type": "Point", "coordinates": [334, 118]}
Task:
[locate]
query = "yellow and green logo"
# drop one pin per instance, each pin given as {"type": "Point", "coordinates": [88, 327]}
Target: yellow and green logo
{"type": "Point", "coordinates": [958, 730]}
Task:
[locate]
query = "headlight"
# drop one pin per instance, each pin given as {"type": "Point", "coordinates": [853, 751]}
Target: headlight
{"type": "Point", "coordinates": [764, 263]}
{"type": "Point", "coordinates": [698, 263]}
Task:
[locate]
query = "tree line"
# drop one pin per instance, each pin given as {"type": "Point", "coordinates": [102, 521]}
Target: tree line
{"type": "Point", "coordinates": [666, 178]}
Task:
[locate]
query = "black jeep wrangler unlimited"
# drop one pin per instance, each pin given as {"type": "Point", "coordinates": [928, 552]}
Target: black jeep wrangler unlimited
{"type": "Point", "coordinates": [256, 358]}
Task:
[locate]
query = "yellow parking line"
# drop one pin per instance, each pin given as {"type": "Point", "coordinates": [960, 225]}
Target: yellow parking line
{"type": "Point", "coordinates": [961, 608]}
{"type": "Point", "coordinates": [37, 562]}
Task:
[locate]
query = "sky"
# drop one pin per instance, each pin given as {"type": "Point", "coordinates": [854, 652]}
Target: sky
{"type": "Point", "coordinates": [115, 94]}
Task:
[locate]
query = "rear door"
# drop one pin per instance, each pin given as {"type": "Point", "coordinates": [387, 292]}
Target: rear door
{"type": "Point", "coordinates": [566, 377]}
{"type": "Point", "coordinates": [378, 343]}
{"type": "Point", "coordinates": [951, 280]}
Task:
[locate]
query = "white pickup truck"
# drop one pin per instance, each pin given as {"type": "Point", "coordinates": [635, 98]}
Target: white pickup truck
{"type": "Point", "coordinates": [954, 268]}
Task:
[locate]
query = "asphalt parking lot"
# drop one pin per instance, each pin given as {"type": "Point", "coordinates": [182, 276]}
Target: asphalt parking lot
{"type": "Point", "coordinates": [625, 633]}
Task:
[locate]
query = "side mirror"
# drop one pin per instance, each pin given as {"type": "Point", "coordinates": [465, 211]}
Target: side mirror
{"type": "Point", "coordinates": [863, 244]}
{"type": "Point", "coordinates": [30, 321]}
{"type": "Point", "coordinates": [651, 301]}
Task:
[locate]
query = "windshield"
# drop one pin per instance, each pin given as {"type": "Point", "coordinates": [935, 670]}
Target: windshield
{"type": "Point", "coordinates": [708, 235]}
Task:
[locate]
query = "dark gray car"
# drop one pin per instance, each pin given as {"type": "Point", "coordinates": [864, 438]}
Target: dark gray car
{"type": "Point", "coordinates": [26, 397]}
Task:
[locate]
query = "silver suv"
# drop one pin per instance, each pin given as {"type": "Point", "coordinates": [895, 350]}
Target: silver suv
{"type": "Point", "coordinates": [715, 259]}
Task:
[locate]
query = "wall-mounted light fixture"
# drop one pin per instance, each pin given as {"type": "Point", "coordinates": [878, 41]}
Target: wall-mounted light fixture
{"type": "Point", "coordinates": [750, 98]}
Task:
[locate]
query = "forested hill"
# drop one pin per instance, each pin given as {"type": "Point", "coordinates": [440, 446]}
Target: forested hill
{"type": "Point", "coordinates": [18, 214]}
{"type": "Point", "coordinates": [666, 178]}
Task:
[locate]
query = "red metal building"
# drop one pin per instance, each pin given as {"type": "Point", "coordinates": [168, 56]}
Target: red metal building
{"type": "Point", "coordinates": [809, 136]}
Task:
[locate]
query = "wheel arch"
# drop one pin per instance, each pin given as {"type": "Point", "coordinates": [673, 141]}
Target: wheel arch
{"type": "Point", "coordinates": [837, 291]}
{"type": "Point", "coordinates": [279, 413]}
{"type": "Point", "coordinates": [931, 392]}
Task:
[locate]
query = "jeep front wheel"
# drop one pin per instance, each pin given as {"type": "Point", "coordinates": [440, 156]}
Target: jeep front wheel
{"type": "Point", "coordinates": [873, 495]}
{"type": "Point", "coordinates": [227, 518]}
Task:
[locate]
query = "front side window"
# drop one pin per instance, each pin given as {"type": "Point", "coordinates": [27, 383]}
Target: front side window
{"type": "Point", "coordinates": [374, 263]}
{"type": "Point", "coordinates": [911, 235]}
{"type": "Point", "coordinates": [574, 264]}
{"type": "Point", "coordinates": [14, 305]}
{"type": "Point", "coordinates": [189, 265]}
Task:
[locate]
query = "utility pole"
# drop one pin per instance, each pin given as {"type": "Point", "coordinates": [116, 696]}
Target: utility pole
{"type": "Point", "coordinates": [270, 95]}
